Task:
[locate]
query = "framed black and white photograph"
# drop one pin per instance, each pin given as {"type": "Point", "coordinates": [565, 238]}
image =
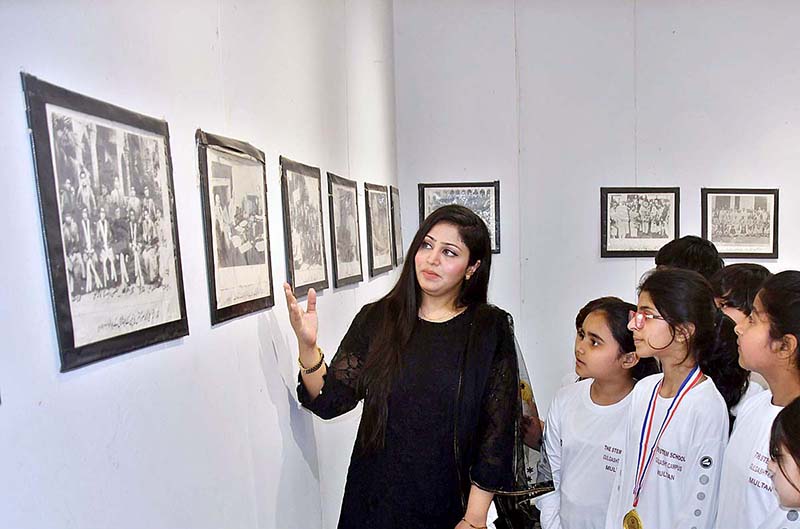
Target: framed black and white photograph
{"type": "Point", "coordinates": [397, 227]}
{"type": "Point", "coordinates": [306, 263]}
{"type": "Point", "coordinates": [345, 235]}
{"type": "Point", "coordinates": [233, 187]}
{"type": "Point", "coordinates": [379, 235]}
{"type": "Point", "coordinates": [481, 197]}
{"type": "Point", "coordinates": [638, 221]}
{"type": "Point", "coordinates": [741, 222]}
{"type": "Point", "coordinates": [107, 204]}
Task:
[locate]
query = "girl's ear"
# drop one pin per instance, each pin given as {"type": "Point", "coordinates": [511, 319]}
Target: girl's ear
{"type": "Point", "coordinates": [787, 346]}
{"type": "Point", "coordinates": [684, 333]}
{"type": "Point", "coordinates": [629, 360]}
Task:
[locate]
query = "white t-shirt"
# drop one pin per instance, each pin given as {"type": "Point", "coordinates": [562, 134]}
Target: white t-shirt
{"type": "Point", "coordinates": [680, 490]}
{"type": "Point", "coordinates": [746, 498]}
{"type": "Point", "coordinates": [753, 389]}
{"type": "Point", "coordinates": [583, 442]}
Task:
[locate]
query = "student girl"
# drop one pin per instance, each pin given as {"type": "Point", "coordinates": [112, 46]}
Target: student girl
{"type": "Point", "coordinates": [583, 437]}
{"type": "Point", "coordinates": [677, 424]}
{"type": "Point", "coordinates": [784, 451]}
{"type": "Point", "coordinates": [768, 345]}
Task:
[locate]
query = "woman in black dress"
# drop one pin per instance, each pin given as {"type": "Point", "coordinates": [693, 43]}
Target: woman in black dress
{"type": "Point", "coordinates": [437, 369]}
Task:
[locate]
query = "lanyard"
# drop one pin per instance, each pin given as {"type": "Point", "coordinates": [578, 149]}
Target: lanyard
{"type": "Point", "coordinates": [642, 467]}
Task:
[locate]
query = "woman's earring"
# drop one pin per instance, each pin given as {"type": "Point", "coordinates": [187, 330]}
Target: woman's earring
{"type": "Point", "coordinates": [468, 276]}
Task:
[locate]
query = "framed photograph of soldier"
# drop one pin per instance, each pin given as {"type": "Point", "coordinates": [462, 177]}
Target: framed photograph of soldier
{"type": "Point", "coordinates": [106, 197]}
{"type": "Point", "coordinates": [345, 234]}
{"type": "Point", "coordinates": [306, 263]}
{"type": "Point", "coordinates": [233, 188]}
{"type": "Point", "coordinates": [741, 222]}
{"type": "Point", "coordinates": [379, 235]}
{"type": "Point", "coordinates": [481, 197]}
{"type": "Point", "coordinates": [638, 221]}
{"type": "Point", "coordinates": [397, 227]}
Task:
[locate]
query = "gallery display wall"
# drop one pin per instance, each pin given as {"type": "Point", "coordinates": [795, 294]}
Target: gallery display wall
{"type": "Point", "coordinates": [557, 100]}
{"type": "Point", "coordinates": [204, 430]}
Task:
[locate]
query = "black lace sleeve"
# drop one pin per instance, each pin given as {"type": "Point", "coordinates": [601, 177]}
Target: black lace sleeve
{"type": "Point", "coordinates": [494, 469]}
{"type": "Point", "coordinates": [339, 392]}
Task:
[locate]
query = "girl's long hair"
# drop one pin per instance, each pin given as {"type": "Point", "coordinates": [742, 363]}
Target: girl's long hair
{"type": "Point", "coordinates": [780, 296]}
{"type": "Point", "coordinates": [398, 316]}
{"type": "Point", "coordinates": [685, 297]}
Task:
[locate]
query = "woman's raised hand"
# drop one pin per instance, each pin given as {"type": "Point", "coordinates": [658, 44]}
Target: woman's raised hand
{"type": "Point", "coordinates": [304, 322]}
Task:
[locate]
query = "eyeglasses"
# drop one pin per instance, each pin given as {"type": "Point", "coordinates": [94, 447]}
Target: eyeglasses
{"type": "Point", "coordinates": [639, 318]}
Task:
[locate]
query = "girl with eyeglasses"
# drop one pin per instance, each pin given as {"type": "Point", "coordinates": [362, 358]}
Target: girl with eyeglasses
{"type": "Point", "coordinates": [583, 439]}
{"type": "Point", "coordinates": [677, 424]}
{"type": "Point", "coordinates": [768, 345]}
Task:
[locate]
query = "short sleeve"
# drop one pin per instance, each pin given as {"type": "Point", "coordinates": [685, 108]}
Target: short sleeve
{"type": "Point", "coordinates": [340, 391]}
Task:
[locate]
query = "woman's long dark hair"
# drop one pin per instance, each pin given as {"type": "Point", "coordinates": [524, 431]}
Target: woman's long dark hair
{"type": "Point", "coordinates": [786, 433]}
{"type": "Point", "coordinates": [399, 309]}
{"type": "Point", "coordinates": [616, 313]}
{"type": "Point", "coordinates": [685, 297]}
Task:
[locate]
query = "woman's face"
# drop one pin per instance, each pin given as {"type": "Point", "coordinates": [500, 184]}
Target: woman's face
{"type": "Point", "coordinates": [655, 335]}
{"type": "Point", "coordinates": [441, 262]}
{"type": "Point", "coordinates": [786, 478]}
{"type": "Point", "coordinates": [756, 346]}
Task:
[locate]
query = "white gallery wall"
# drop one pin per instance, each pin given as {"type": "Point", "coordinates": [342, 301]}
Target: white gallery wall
{"type": "Point", "coordinates": [201, 432]}
{"type": "Point", "coordinates": [605, 93]}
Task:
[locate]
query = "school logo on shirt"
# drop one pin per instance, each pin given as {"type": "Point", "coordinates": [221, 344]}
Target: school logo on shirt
{"type": "Point", "coordinates": [706, 462]}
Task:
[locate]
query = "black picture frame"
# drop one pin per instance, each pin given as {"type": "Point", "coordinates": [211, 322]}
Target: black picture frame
{"type": "Point", "coordinates": [741, 217]}
{"type": "Point", "coordinates": [376, 199]}
{"type": "Point", "coordinates": [397, 227]}
{"type": "Point", "coordinates": [481, 197]}
{"type": "Point", "coordinates": [238, 256]}
{"type": "Point", "coordinates": [344, 191]}
{"type": "Point", "coordinates": [98, 318]}
{"type": "Point", "coordinates": [624, 236]}
{"type": "Point", "coordinates": [302, 216]}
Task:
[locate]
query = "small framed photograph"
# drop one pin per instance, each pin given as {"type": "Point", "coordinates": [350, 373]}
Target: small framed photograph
{"type": "Point", "coordinates": [107, 203]}
{"type": "Point", "coordinates": [397, 227]}
{"type": "Point", "coordinates": [379, 235]}
{"type": "Point", "coordinates": [306, 263]}
{"type": "Point", "coordinates": [741, 222]}
{"type": "Point", "coordinates": [481, 197]}
{"type": "Point", "coordinates": [345, 235]}
{"type": "Point", "coordinates": [233, 187]}
{"type": "Point", "coordinates": [638, 221]}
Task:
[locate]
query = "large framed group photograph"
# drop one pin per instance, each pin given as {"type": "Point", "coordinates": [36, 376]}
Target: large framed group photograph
{"type": "Point", "coordinates": [741, 222]}
{"type": "Point", "coordinates": [306, 263]}
{"type": "Point", "coordinates": [379, 235]}
{"type": "Point", "coordinates": [638, 221]}
{"type": "Point", "coordinates": [107, 204]}
{"type": "Point", "coordinates": [345, 234]}
{"type": "Point", "coordinates": [233, 187]}
{"type": "Point", "coordinates": [481, 197]}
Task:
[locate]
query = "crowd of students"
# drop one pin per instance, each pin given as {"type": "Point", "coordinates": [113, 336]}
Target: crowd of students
{"type": "Point", "coordinates": [686, 411]}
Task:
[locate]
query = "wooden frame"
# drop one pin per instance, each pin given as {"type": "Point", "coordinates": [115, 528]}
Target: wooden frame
{"type": "Point", "coordinates": [345, 233]}
{"type": "Point", "coordinates": [642, 221]}
{"type": "Point", "coordinates": [744, 222]}
{"type": "Point", "coordinates": [379, 236]}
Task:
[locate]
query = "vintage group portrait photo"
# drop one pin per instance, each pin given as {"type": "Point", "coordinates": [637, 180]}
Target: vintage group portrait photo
{"type": "Point", "coordinates": [107, 204]}
{"type": "Point", "coordinates": [233, 188]}
{"type": "Point", "coordinates": [481, 197]}
{"type": "Point", "coordinates": [306, 263]}
{"type": "Point", "coordinates": [741, 222]}
{"type": "Point", "coordinates": [638, 221]}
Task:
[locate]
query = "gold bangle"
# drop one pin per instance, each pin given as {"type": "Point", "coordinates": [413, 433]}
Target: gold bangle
{"type": "Point", "coordinates": [473, 526]}
{"type": "Point", "coordinates": [308, 370]}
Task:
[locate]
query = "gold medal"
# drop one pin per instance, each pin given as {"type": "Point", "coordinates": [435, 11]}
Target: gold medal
{"type": "Point", "coordinates": [632, 520]}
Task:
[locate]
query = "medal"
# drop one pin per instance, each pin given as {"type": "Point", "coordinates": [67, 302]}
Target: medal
{"type": "Point", "coordinates": [643, 460]}
{"type": "Point", "coordinates": [632, 520]}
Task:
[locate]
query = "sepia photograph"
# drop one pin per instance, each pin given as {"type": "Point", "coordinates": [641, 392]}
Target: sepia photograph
{"type": "Point", "coordinates": [306, 264]}
{"type": "Point", "coordinates": [741, 222]}
{"type": "Point", "coordinates": [638, 221]}
{"type": "Point", "coordinates": [397, 227]}
{"type": "Point", "coordinates": [345, 237]}
{"type": "Point", "coordinates": [233, 188]}
{"type": "Point", "coordinates": [481, 197]}
{"type": "Point", "coordinates": [106, 197]}
{"type": "Point", "coordinates": [379, 235]}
